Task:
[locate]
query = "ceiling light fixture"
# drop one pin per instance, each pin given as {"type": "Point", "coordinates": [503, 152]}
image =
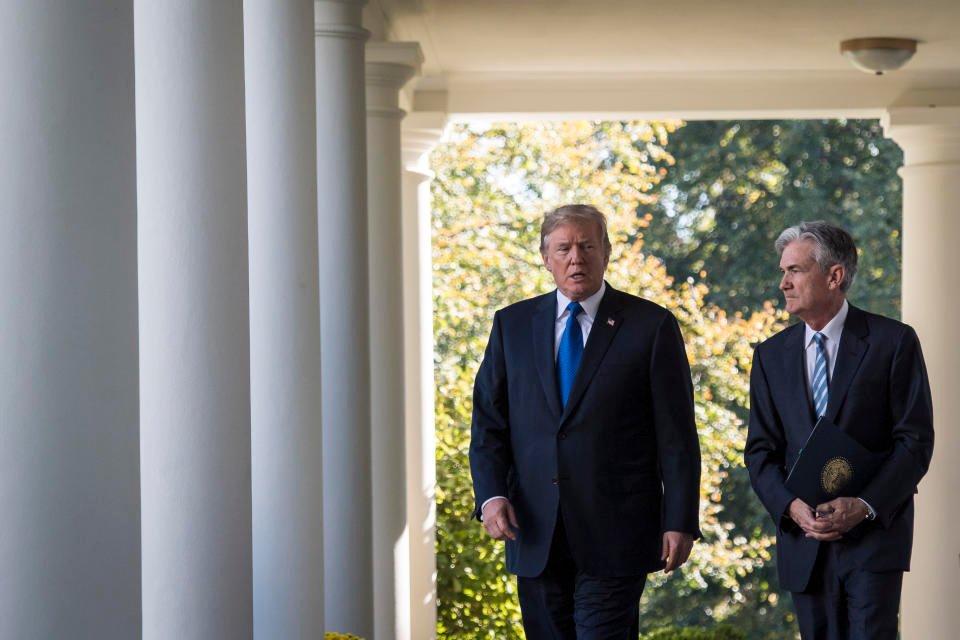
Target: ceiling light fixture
{"type": "Point", "coordinates": [878, 55]}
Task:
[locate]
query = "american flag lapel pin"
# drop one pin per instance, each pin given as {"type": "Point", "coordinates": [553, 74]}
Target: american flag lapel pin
{"type": "Point", "coordinates": [611, 321]}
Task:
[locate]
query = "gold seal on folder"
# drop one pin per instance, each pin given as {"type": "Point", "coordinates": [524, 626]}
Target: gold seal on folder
{"type": "Point", "coordinates": [836, 474]}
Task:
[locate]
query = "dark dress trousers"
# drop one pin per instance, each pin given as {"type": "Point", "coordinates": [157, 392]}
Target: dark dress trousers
{"type": "Point", "coordinates": [621, 461]}
{"type": "Point", "coordinates": [880, 395]}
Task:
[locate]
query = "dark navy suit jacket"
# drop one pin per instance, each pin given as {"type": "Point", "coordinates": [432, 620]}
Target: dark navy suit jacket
{"type": "Point", "coordinates": [880, 395]}
{"type": "Point", "coordinates": [622, 460]}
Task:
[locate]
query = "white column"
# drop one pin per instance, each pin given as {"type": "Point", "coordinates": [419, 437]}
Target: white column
{"type": "Point", "coordinates": [930, 139]}
{"type": "Point", "coordinates": [284, 320]}
{"type": "Point", "coordinates": [421, 132]}
{"type": "Point", "coordinates": [69, 486]}
{"type": "Point", "coordinates": [344, 316]}
{"type": "Point", "coordinates": [194, 329]}
{"type": "Point", "coordinates": [388, 68]}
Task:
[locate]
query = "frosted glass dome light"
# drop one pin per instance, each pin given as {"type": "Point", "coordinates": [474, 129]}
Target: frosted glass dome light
{"type": "Point", "coordinates": [878, 55]}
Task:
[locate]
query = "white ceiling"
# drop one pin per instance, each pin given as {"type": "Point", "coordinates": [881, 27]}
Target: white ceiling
{"type": "Point", "coordinates": [682, 47]}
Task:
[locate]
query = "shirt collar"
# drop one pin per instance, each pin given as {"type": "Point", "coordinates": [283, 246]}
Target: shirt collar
{"type": "Point", "coordinates": [590, 304]}
{"type": "Point", "coordinates": [833, 329]}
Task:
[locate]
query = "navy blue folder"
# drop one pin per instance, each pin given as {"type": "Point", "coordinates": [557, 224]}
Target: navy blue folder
{"type": "Point", "coordinates": [831, 464]}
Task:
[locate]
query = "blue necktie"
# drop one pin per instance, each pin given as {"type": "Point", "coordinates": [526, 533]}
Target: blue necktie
{"type": "Point", "coordinates": [820, 394]}
{"type": "Point", "coordinates": [568, 355]}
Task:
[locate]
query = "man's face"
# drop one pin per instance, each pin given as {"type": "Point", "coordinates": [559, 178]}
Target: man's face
{"type": "Point", "coordinates": [574, 255]}
{"type": "Point", "coordinates": [809, 292]}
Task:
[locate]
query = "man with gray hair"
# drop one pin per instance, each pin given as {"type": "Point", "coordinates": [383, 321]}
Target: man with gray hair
{"type": "Point", "coordinates": [842, 560]}
{"type": "Point", "coordinates": [584, 450]}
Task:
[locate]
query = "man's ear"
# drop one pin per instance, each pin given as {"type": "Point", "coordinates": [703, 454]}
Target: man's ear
{"type": "Point", "coordinates": [835, 277]}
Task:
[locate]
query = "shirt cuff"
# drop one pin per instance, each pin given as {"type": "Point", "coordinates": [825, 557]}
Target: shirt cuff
{"type": "Point", "coordinates": [489, 500]}
{"type": "Point", "coordinates": [871, 512]}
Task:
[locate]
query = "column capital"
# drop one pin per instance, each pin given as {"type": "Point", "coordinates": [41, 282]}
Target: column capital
{"type": "Point", "coordinates": [405, 54]}
{"type": "Point", "coordinates": [339, 19]}
{"type": "Point", "coordinates": [421, 132]}
{"type": "Point", "coordinates": [389, 66]}
{"type": "Point", "coordinates": [926, 125]}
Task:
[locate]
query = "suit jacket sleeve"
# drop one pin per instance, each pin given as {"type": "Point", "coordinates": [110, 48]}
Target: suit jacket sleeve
{"type": "Point", "coordinates": [766, 446]}
{"type": "Point", "coordinates": [490, 451]}
{"type": "Point", "coordinates": [678, 446]}
{"type": "Point", "coordinates": [911, 412]}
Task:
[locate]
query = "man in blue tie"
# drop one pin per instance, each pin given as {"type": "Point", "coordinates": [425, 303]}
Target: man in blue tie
{"type": "Point", "coordinates": [584, 450]}
{"type": "Point", "coordinates": [842, 560]}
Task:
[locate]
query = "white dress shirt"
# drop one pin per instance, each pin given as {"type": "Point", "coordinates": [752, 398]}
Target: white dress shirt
{"type": "Point", "coordinates": [831, 332]}
{"type": "Point", "coordinates": [590, 306]}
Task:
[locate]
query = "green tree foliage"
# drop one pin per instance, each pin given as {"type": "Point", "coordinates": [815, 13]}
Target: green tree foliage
{"type": "Point", "coordinates": [721, 632]}
{"type": "Point", "coordinates": [491, 189]}
{"type": "Point", "coordinates": [737, 184]}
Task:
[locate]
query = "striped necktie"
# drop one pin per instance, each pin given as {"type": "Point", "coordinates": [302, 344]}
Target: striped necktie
{"type": "Point", "coordinates": [821, 394]}
{"type": "Point", "coordinates": [568, 355]}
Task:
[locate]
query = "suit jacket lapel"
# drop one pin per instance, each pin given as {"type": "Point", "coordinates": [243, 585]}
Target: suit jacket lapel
{"type": "Point", "coordinates": [795, 375]}
{"type": "Point", "coordinates": [544, 325]}
{"type": "Point", "coordinates": [850, 354]}
{"type": "Point", "coordinates": [605, 327]}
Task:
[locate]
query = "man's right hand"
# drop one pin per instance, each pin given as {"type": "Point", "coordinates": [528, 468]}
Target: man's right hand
{"type": "Point", "coordinates": [806, 518]}
{"type": "Point", "coordinates": [499, 521]}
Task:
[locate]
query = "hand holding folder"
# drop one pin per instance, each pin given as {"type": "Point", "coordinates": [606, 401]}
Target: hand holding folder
{"type": "Point", "coordinates": [831, 464]}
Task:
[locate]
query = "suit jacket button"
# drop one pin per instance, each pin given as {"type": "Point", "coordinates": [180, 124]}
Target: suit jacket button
{"type": "Point", "coordinates": [555, 480]}
{"type": "Point", "coordinates": [562, 436]}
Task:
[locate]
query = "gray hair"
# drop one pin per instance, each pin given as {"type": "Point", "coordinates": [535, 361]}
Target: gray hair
{"type": "Point", "coordinates": [575, 214]}
{"type": "Point", "coordinates": [831, 245]}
